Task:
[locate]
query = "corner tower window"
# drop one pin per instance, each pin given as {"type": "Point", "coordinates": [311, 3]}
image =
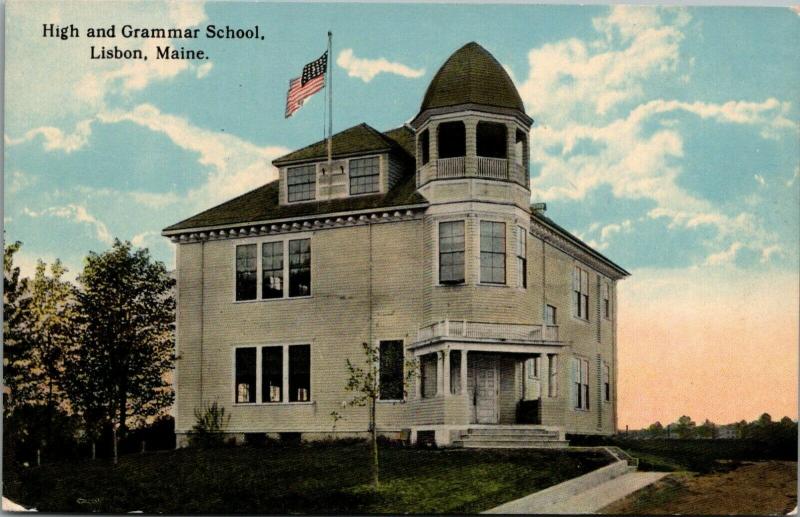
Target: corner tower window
{"type": "Point", "coordinates": [452, 140]}
{"type": "Point", "coordinates": [493, 252]}
{"type": "Point", "coordinates": [301, 183]}
{"type": "Point", "coordinates": [364, 175]}
{"type": "Point", "coordinates": [451, 252]}
{"type": "Point", "coordinates": [491, 140]}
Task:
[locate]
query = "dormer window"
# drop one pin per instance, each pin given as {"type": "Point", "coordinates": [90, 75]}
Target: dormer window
{"type": "Point", "coordinates": [301, 183]}
{"type": "Point", "coordinates": [364, 175]}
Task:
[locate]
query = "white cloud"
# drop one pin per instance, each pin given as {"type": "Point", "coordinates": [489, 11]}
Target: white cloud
{"type": "Point", "coordinates": [141, 238]}
{"type": "Point", "coordinates": [78, 214]}
{"type": "Point", "coordinates": [55, 139]}
{"type": "Point", "coordinates": [769, 251]}
{"type": "Point", "coordinates": [20, 181]}
{"type": "Point", "coordinates": [204, 69]}
{"type": "Point", "coordinates": [759, 179]}
{"type": "Point", "coordinates": [367, 69]}
{"type": "Point", "coordinates": [610, 229]}
{"type": "Point", "coordinates": [794, 177]}
{"type": "Point", "coordinates": [724, 257]}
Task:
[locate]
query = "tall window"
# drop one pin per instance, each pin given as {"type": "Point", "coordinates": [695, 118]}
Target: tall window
{"type": "Point", "coordinates": [301, 182]}
{"type": "Point", "coordinates": [455, 372]}
{"type": "Point", "coordinates": [265, 369]}
{"type": "Point", "coordinates": [272, 374]}
{"type": "Point", "coordinates": [580, 380]}
{"type": "Point", "coordinates": [580, 293]}
{"type": "Point", "coordinates": [552, 368]}
{"type": "Point", "coordinates": [606, 382]}
{"type": "Point", "coordinates": [522, 257]}
{"type": "Point", "coordinates": [391, 370]}
{"type": "Point", "coordinates": [364, 175]}
{"type": "Point", "coordinates": [493, 252]}
{"type": "Point", "coordinates": [451, 252]}
{"type": "Point", "coordinates": [245, 388]}
{"type": "Point", "coordinates": [272, 269]}
{"type": "Point", "coordinates": [606, 301]}
{"type": "Point", "coordinates": [299, 373]}
{"type": "Point", "coordinates": [300, 267]}
{"type": "Point", "coordinates": [550, 315]}
{"type": "Point", "coordinates": [246, 277]}
{"type": "Point", "coordinates": [428, 375]}
{"type": "Point", "coordinates": [532, 367]}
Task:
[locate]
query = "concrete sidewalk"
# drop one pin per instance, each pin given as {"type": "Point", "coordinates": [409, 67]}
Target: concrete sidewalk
{"type": "Point", "coordinates": [602, 495]}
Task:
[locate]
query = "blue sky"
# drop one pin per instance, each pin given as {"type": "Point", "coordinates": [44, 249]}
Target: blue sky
{"type": "Point", "coordinates": [667, 138]}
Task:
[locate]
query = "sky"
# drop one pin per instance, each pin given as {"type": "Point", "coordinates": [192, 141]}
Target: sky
{"type": "Point", "coordinates": [667, 138]}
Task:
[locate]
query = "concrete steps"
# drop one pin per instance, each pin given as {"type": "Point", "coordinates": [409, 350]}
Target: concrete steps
{"type": "Point", "coordinates": [510, 437]}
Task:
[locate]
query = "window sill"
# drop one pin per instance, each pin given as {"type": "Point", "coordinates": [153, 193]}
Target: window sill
{"type": "Point", "coordinates": [454, 284]}
{"type": "Point", "coordinates": [580, 320]}
{"type": "Point", "coordinates": [582, 410]}
{"type": "Point", "coordinates": [391, 402]}
{"type": "Point", "coordinates": [489, 284]}
{"type": "Point", "coordinates": [274, 299]}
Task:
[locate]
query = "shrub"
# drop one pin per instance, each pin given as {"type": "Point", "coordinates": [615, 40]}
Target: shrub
{"type": "Point", "coordinates": [208, 431]}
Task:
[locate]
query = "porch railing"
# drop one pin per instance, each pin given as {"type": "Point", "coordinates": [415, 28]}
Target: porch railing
{"type": "Point", "coordinates": [483, 330]}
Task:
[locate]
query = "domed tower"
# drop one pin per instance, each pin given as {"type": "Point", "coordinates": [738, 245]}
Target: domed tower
{"type": "Point", "coordinates": [472, 166]}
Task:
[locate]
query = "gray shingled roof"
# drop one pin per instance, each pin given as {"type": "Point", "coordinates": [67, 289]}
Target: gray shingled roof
{"type": "Point", "coordinates": [360, 139]}
{"type": "Point", "coordinates": [472, 76]}
{"type": "Point", "coordinates": [262, 203]}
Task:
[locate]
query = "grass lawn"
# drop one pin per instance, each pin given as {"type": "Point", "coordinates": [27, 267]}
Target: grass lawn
{"type": "Point", "coordinates": [296, 479]}
{"type": "Point", "coordinates": [757, 488]}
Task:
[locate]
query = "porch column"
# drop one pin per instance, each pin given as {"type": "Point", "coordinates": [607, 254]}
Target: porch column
{"type": "Point", "coordinates": [446, 372]}
{"type": "Point", "coordinates": [464, 390]}
{"type": "Point", "coordinates": [418, 377]}
{"type": "Point", "coordinates": [544, 373]}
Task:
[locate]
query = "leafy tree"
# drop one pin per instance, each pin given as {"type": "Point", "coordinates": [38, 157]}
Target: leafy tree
{"type": "Point", "coordinates": [363, 382]}
{"type": "Point", "coordinates": [128, 313]}
{"type": "Point", "coordinates": [685, 427]}
{"type": "Point", "coordinates": [655, 430]}
{"type": "Point", "coordinates": [764, 420]}
{"type": "Point", "coordinates": [707, 430]}
{"type": "Point", "coordinates": [51, 318]}
{"type": "Point", "coordinates": [17, 377]}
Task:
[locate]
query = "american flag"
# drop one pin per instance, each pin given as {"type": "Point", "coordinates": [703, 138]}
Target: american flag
{"type": "Point", "coordinates": [310, 82]}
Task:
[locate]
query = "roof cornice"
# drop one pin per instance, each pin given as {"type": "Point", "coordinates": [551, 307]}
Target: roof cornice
{"type": "Point", "coordinates": [296, 224]}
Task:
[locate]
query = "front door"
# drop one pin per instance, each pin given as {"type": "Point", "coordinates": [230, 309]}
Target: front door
{"type": "Point", "coordinates": [486, 386]}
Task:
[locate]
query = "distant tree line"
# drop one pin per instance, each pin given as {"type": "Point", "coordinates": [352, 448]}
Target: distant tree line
{"type": "Point", "coordinates": [88, 362]}
{"type": "Point", "coordinates": [762, 429]}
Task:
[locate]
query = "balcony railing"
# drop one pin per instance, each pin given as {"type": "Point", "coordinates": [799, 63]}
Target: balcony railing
{"type": "Point", "coordinates": [472, 166]}
{"type": "Point", "coordinates": [450, 167]}
{"type": "Point", "coordinates": [495, 168]}
{"type": "Point", "coordinates": [482, 330]}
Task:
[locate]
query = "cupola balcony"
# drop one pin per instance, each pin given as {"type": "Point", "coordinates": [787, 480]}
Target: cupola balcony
{"type": "Point", "coordinates": [476, 330]}
{"type": "Point", "coordinates": [485, 167]}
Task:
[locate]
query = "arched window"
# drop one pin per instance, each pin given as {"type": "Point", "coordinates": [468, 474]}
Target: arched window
{"type": "Point", "coordinates": [452, 140]}
{"type": "Point", "coordinates": [424, 147]}
{"type": "Point", "coordinates": [491, 140]}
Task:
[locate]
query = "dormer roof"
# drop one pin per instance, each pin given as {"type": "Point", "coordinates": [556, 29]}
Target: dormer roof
{"type": "Point", "coordinates": [353, 141]}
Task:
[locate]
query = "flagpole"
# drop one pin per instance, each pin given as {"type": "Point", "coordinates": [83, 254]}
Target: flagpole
{"type": "Point", "coordinates": [330, 100]}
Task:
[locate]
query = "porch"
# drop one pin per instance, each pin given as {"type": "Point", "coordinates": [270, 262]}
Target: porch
{"type": "Point", "coordinates": [476, 375]}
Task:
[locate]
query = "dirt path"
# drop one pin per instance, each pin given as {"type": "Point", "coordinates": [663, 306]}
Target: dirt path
{"type": "Point", "coordinates": [768, 487]}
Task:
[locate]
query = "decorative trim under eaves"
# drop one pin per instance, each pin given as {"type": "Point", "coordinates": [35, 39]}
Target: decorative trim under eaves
{"type": "Point", "coordinates": [298, 225]}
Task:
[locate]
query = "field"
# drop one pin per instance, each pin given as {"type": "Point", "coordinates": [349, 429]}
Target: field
{"type": "Point", "coordinates": [330, 478]}
{"type": "Point", "coordinates": [756, 488]}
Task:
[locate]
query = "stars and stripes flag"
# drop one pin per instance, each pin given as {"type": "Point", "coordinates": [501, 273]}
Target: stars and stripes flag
{"type": "Point", "coordinates": [310, 82]}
